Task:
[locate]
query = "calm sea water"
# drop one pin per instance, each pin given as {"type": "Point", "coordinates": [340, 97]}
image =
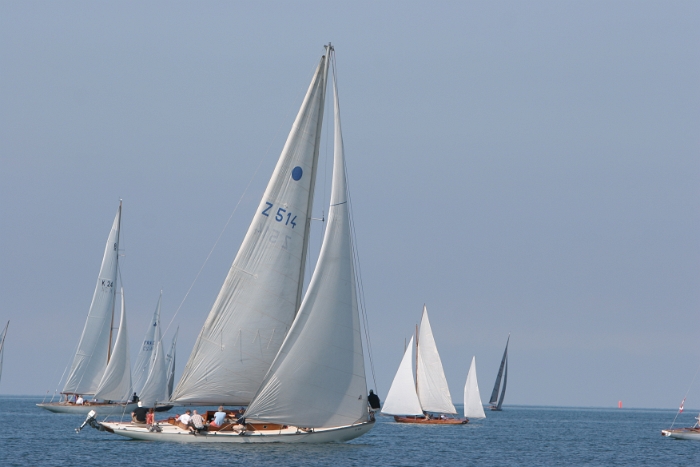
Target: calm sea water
{"type": "Point", "coordinates": [527, 436]}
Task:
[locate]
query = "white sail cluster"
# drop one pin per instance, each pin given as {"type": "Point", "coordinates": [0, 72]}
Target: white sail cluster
{"type": "Point", "coordinates": [429, 392]}
{"type": "Point", "coordinates": [116, 381]}
{"type": "Point", "coordinates": [262, 292]}
{"type": "Point", "coordinates": [318, 377]}
{"type": "Point", "coordinates": [92, 356]}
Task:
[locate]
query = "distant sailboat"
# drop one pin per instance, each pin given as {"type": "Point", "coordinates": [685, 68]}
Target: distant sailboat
{"type": "Point", "coordinates": [295, 359]}
{"type": "Point", "coordinates": [153, 368]}
{"type": "Point", "coordinates": [2, 345]}
{"type": "Point", "coordinates": [473, 408]}
{"type": "Point", "coordinates": [170, 361]}
{"type": "Point", "coordinates": [94, 351]}
{"type": "Point", "coordinates": [411, 403]}
{"type": "Point", "coordinates": [496, 402]}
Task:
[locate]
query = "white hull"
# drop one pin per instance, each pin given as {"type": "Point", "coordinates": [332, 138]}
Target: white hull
{"type": "Point", "coordinates": [175, 434]}
{"type": "Point", "coordinates": [683, 433]}
{"type": "Point", "coordinates": [100, 409]}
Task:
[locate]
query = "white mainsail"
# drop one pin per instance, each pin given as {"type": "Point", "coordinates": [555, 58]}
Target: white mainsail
{"type": "Point", "coordinates": [2, 345]}
{"type": "Point", "coordinates": [431, 384]}
{"type": "Point", "coordinates": [473, 408]}
{"type": "Point", "coordinates": [402, 398]}
{"type": "Point", "coordinates": [116, 381]}
{"type": "Point", "coordinates": [258, 300]}
{"type": "Point", "coordinates": [92, 355]}
{"type": "Point", "coordinates": [145, 358]}
{"type": "Point", "coordinates": [156, 388]}
{"type": "Point", "coordinates": [318, 377]}
{"type": "Point", "coordinates": [170, 362]}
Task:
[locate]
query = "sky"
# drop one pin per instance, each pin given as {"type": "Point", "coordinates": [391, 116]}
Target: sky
{"type": "Point", "coordinates": [519, 167]}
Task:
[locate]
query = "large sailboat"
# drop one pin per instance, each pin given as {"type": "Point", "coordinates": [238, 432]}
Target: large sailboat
{"type": "Point", "coordinates": [2, 345]}
{"type": "Point", "coordinates": [496, 401]}
{"type": "Point", "coordinates": [297, 364]}
{"type": "Point", "coordinates": [428, 400]}
{"type": "Point", "coordinates": [90, 372]}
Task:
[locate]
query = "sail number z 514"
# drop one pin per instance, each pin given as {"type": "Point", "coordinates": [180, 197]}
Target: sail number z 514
{"type": "Point", "coordinates": [282, 215]}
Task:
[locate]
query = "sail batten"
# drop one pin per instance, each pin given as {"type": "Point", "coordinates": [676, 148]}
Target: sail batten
{"type": "Point", "coordinates": [261, 294]}
{"type": "Point", "coordinates": [116, 381]}
{"type": "Point", "coordinates": [318, 378]}
{"type": "Point", "coordinates": [92, 355]}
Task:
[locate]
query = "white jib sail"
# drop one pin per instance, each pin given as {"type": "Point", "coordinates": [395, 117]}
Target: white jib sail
{"type": "Point", "coordinates": [318, 377]}
{"type": "Point", "coordinates": [155, 389]}
{"type": "Point", "coordinates": [116, 381]}
{"type": "Point", "coordinates": [145, 358]}
{"type": "Point", "coordinates": [170, 362]}
{"type": "Point", "coordinates": [473, 408]}
{"type": "Point", "coordinates": [91, 357]}
{"type": "Point", "coordinates": [402, 398]}
{"type": "Point", "coordinates": [2, 345]}
{"type": "Point", "coordinates": [431, 384]}
{"type": "Point", "coordinates": [258, 300]}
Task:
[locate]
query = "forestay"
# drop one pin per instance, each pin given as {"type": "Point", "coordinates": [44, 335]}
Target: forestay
{"type": "Point", "coordinates": [92, 355]}
{"type": "Point", "coordinates": [116, 381]}
{"type": "Point", "coordinates": [318, 378]}
{"type": "Point", "coordinates": [145, 358]}
{"type": "Point", "coordinates": [473, 408]}
{"type": "Point", "coordinates": [433, 392]}
{"type": "Point", "coordinates": [402, 398]}
{"type": "Point", "coordinates": [258, 300]}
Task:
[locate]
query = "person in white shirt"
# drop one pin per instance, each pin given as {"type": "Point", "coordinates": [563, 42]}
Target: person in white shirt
{"type": "Point", "coordinates": [185, 417]}
{"type": "Point", "coordinates": [79, 400]}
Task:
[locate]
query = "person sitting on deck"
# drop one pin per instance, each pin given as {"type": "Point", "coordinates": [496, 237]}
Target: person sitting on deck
{"type": "Point", "coordinates": [134, 398]}
{"type": "Point", "coordinates": [151, 416]}
{"type": "Point", "coordinates": [79, 400]}
{"type": "Point", "coordinates": [139, 414]}
{"type": "Point", "coordinates": [185, 417]}
{"type": "Point", "coordinates": [196, 423]}
{"type": "Point", "coordinates": [373, 400]}
{"type": "Point", "coordinates": [219, 417]}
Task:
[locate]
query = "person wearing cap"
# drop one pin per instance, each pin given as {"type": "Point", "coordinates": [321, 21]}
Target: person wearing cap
{"type": "Point", "coordinates": [139, 414]}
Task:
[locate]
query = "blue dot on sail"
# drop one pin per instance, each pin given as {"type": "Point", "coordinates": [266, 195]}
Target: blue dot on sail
{"type": "Point", "coordinates": [297, 173]}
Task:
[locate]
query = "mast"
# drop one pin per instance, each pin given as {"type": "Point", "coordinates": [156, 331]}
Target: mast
{"type": "Point", "coordinates": [114, 289]}
{"type": "Point", "coordinates": [416, 358]}
{"type": "Point", "coordinates": [307, 231]}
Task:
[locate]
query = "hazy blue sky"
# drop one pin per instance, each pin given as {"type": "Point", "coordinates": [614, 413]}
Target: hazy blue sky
{"type": "Point", "coordinates": [523, 167]}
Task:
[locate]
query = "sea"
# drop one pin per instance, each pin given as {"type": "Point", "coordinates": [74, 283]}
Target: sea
{"type": "Point", "coordinates": [518, 436]}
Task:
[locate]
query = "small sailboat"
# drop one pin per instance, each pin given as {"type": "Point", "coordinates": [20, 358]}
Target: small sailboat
{"type": "Point", "coordinates": [297, 364]}
{"type": "Point", "coordinates": [2, 345]}
{"type": "Point", "coordinates": [473, 408]}
{"type": "Point", "coordinates": [94, 351]}
{"type": "Point", "coordinates": [411, 402]}
{"type": "Point", "coordinates": [496, 402]}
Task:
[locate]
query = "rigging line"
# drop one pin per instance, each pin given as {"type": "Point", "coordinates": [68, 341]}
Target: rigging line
{"type": "Point", "coordinates": [356, 256]}
{"type": "Point", "coordinates": [686, 395]}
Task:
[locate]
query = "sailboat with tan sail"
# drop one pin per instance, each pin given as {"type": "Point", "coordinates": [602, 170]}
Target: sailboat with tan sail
{"type": "Point", "coordinates": [297, 364]}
